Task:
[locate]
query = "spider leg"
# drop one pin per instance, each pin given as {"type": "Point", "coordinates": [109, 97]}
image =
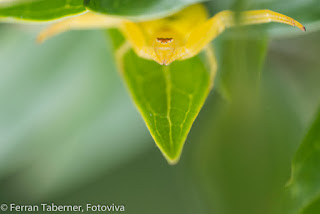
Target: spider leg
{"type": "Point", "coordinates": [137, 39]}
{"type": "Point", "coordinates": [88, 20]}
{"type": "Point", "coordinates": [91, 20]}
{"type": "Point", "coordinates": [206, 32]}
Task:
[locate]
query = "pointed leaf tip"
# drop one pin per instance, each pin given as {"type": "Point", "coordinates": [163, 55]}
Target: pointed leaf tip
{"type": "Point", "coordinates": [169, 98]}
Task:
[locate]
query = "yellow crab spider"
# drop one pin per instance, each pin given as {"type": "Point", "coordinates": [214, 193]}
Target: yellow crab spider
{"type": "Point", "coordinates": [177, 37]}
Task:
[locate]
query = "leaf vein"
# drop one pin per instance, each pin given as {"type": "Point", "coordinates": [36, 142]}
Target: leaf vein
{"type": "Point", "coordinates": [167, 77]}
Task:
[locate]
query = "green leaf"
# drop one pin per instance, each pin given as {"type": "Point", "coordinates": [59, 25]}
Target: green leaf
{"type": "Point", "coordinates": [169, 98]}
{"type": "Point", "coordinates": [42, 10]}
{"type": "Point", "coordinates": [304, 185]}
{"type": "Point", "coordinates": [138, 10]}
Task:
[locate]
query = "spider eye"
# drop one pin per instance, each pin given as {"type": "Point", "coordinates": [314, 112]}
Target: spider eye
{"type": "Point", "coordinates": [164, 40]}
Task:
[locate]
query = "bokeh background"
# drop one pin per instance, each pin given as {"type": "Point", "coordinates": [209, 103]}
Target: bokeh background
{"type": "Point", "coordinates": [69, 133]}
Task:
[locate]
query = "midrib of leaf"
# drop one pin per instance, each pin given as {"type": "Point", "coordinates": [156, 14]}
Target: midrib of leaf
{"type": "Point", "coordinates": [167, 77]}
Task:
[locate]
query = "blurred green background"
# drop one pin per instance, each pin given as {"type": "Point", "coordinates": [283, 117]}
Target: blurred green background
{"type": "Point", "coordinates": [69, 133]}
